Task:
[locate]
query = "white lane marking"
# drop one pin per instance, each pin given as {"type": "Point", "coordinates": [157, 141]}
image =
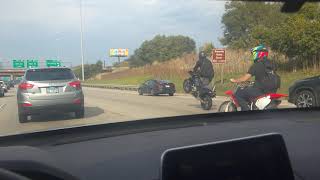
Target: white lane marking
{"type": "Point", "coordinates": [2, 106]}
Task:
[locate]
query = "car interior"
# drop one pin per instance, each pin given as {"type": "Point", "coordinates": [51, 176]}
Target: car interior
{"type": "Point", "coordinates": [281, 144]}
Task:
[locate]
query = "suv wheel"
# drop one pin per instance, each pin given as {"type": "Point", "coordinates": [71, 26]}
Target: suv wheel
{"type": "Point", "coordinates": [79, 114]}
{"type": "Point", "coordinates": [305, 99]}
{"type": "Point", "coordinates": [23, 118]}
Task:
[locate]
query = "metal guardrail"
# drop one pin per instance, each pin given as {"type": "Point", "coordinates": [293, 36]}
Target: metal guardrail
{"type": "Point", "coordinates": [111, 86]}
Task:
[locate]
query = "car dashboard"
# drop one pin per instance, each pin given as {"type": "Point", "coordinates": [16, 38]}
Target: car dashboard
{"type": "Point", "coordinates": [133, 150]}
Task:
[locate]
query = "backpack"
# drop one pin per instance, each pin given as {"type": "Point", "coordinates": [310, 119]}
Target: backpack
{"type": "Point", "coordinates": [207, 69]}
{"type": "Point", "coordinates": [272, 81]}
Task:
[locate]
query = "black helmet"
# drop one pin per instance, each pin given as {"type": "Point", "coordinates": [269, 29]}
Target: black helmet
{"type": "Point", "coordinates": [202, 55]}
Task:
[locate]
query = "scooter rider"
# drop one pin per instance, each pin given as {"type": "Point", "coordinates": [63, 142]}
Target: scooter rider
{"type": "Point", "coordinates": [205, 69]}
{"type": "Point", "coordinates": [258, 70]}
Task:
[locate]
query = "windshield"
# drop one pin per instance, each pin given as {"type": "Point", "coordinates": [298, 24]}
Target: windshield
{"type": "Point", "coordinates": [81, 63]}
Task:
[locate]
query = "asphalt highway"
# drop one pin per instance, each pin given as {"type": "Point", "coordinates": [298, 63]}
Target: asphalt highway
{"type": "Point", "coordinates": [103, 106]}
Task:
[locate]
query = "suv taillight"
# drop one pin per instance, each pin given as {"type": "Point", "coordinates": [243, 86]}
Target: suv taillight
{"type": "Point", "coordinates": [75, 84]}
{"type": "Point", "coordinates": [25, 86]}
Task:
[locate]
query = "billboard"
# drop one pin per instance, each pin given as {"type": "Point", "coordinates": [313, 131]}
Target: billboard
{"type": "Point", "coordinates": [119, 52]}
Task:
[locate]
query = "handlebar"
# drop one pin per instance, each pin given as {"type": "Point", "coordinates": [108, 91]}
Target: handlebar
{"type": "Point", "coordinates": [192, 73]}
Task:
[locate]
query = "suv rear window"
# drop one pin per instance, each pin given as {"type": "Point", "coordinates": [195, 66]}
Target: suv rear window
{"type": "Point", "coordinates": [49, 74]}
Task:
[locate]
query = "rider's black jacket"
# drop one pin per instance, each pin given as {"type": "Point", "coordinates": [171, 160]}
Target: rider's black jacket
{"type": "Point", "coordinates": [205, 68]}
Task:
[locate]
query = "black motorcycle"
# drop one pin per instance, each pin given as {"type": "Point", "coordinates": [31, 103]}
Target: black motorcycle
{"type": "Point", "coordinates": [194, 86]}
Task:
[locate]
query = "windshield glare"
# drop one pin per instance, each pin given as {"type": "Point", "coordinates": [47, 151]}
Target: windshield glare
{"type": "Point", "coordinates": [69, 64]}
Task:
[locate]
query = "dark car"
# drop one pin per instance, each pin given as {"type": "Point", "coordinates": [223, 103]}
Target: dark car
{"type": "Point", "coordinates": [2, 88]}
{"type": "Point", "coordinates": [305, 92]}
{"type": "Point", "coordinates": [156, 87]}
{"type": "Point", "coordinates": [11, 83]}
{"type": "Point", "coordinates": [7, 84]}
{"type": "Point", "coordinates": [16, 82]}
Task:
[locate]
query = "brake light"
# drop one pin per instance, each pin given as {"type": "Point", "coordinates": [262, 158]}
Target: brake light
{"type": "Point", "coordinates": [277, 96]}
{"type": "Point", "coordinates": [77, 101]}
{"type": "Point", "coordinates": [25, 86]}
{"type": "Point", "coordinates": [27, 104]}
{"type": "Point", "coordinates": [75, 84]}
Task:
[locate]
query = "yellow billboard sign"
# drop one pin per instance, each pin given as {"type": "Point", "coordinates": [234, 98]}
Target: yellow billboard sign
{"type": "Point", "coordinates": [118, 52]}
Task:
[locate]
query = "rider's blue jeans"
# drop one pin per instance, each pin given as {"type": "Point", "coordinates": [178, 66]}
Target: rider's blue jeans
{"type": "Point", "coordinates": [245, 95]}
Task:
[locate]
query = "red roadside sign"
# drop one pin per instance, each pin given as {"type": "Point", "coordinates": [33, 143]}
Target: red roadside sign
{"type": "Point", "coordinates": [218, 56]}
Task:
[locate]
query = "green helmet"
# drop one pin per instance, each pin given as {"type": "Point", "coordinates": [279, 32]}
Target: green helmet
{"type": "Point", "coordinates": [259, 53]}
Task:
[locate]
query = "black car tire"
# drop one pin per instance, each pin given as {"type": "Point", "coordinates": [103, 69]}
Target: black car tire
{"type": "Point", "coordinates": [171, 94]}
{"type": "Point", "coordinates": [305, 99]}
{"type": "Point", "coordinates": [79, 114]}
{"type": "Point", "coordinates": [23, 118]}
{"type": "Point", "coordinates": [153, 93]}
{"type": "Point", "coordinates": [140, 92]}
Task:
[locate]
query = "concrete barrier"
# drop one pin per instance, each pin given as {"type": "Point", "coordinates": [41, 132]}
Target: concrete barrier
{"type": "Point", "coordinates": [111, 86]}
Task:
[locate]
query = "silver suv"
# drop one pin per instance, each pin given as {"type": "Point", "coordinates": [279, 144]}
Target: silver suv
{"type": "Point", "coordinates": [46, 90]}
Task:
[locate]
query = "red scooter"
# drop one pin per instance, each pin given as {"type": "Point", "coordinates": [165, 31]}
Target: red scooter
{"type": "Point", "coordinates": [266, 101]}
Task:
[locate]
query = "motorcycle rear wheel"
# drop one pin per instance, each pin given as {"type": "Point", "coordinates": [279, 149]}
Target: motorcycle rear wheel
{"type": "Point", "coordinates": [187, 87]}
{"type": "Point", "coordinates": [206, 103]}
{"type": "Point", "coordinates": [227, 106]}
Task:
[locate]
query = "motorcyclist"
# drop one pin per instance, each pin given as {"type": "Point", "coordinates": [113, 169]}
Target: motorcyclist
{"type": "Point", "coordinates": [245, 95]}
{"type": "Point", "coordinates": [205, 69]}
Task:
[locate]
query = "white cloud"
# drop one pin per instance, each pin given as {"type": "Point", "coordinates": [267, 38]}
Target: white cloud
{"type": "Point", "coordinates": [107, 23]}
{"type": "Point", "coordinates": [51, 14]}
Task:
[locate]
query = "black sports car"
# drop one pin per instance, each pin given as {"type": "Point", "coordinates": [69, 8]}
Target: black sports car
{"type": "Point", "coordinates": [305, 92]}
{"type": "Point", "coordinates": [156, 87]}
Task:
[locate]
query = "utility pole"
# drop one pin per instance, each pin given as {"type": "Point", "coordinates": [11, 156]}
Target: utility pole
{"type": "Point", "coordinates": [81, 41]}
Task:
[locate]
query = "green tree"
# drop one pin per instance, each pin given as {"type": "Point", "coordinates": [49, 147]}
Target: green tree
{"type": "Point", "coordinates": [207, 48]}
{"type": "Point", "coordinates": [247, 24]}
{"type": "Point", "coordinates": [244, 20]}
{"type": "Point", "coordinates": [161, 48]}
{"type": "Point", "coordinates": [90, 70]}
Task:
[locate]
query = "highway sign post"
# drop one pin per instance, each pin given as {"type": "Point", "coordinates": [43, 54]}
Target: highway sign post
{"type": "Point", "coordinates": [18, 63]}
{"type": "Point", "coordinates": [53, 63]}
{"type": "Point", "coordinates": [219, 57]}
{"type": "Point", "coordinates": [32, 63]}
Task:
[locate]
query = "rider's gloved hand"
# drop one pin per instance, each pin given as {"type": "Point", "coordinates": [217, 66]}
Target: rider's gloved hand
{"type": "Point", "coordinates": [233, 80]}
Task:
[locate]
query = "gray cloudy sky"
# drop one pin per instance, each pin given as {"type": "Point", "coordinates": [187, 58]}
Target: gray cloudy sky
{"type": "Point", "coordinates": [50, 28]}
